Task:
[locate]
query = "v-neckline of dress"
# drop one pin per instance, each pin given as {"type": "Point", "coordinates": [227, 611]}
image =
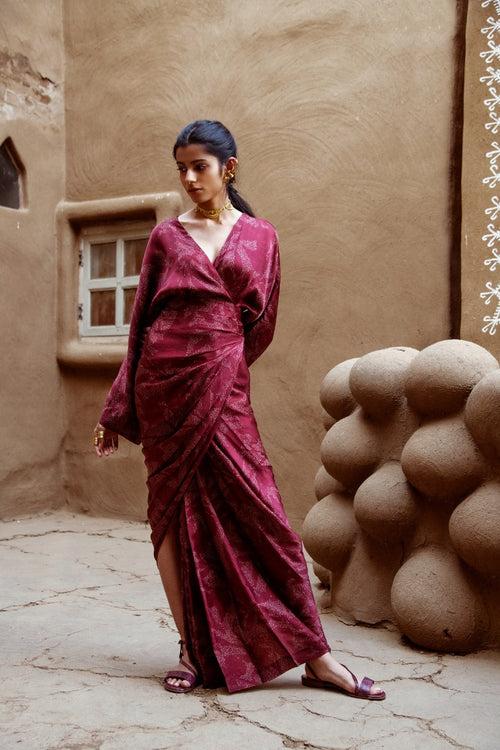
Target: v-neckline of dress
{"type": "Point", "coordinates": [226, 241]}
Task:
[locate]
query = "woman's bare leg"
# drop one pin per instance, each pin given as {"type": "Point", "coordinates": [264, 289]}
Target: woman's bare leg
{"type": "Point", "coordinates": [168, 565]}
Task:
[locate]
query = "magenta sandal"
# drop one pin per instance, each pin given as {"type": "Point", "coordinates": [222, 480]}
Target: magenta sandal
{"type": "Point", "coordinates": [192, 676]}
{"type": "Point", "coordinates": [360, 690]}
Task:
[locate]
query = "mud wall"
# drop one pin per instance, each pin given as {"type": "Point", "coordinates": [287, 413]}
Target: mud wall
{"type": "Point", "coordinates": [481, 178]}
{"type": "Point", "coordinates": [343, 118]}
{"type": "Point", "coordinates": [32, 116]}
{"type": "Point", "coordinates": [342, 115]}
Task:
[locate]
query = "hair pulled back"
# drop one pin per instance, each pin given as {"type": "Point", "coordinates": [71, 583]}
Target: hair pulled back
{"type": "Point", "coordinates": [218, 141]}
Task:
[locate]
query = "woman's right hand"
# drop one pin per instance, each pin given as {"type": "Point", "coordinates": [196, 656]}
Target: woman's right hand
{"type": "Point", "coordinates": [105, 441]}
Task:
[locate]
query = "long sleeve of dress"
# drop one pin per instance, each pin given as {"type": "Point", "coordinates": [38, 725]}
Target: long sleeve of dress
{"type": "Point", "coordinates": [119, 412]}
{"type": "Point", "coordinates": [259, 332]}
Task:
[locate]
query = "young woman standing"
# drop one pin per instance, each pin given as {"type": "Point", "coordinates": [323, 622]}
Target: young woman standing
{"type": "Point", "coordinates": [232, 567]}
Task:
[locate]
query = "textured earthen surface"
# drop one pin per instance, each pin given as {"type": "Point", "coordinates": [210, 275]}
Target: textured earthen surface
{"type": "Point", "coordinates": [354, 175]}
{"type": "Point", "coordinates": [89, 646]}
{"type": "Point", "coordinates": [32, 438]}
{"type": "Point", "coordinates": [480, 252]}
{"type": "Point", "coordinates": [406, 526]}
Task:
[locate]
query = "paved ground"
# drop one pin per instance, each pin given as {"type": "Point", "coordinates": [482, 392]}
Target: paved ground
{"type": "Point", "coordinates": [86, 638]}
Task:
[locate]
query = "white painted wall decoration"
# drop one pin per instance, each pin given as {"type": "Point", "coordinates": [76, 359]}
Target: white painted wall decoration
{"type": "Point", "coordinates": [491, 293]}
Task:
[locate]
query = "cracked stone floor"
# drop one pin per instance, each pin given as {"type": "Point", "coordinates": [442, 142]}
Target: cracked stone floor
{"type": "Point", "coordinates": [86, 637]}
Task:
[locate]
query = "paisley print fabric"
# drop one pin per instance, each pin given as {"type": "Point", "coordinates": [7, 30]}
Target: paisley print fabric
{"type": "Point", "coordinates": [183, 392]}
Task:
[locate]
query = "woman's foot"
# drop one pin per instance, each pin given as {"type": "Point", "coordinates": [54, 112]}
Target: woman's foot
{"type": "Point", "coordinates": [183, 654]}
{"type": "Point", "coordinates": [330, 670]}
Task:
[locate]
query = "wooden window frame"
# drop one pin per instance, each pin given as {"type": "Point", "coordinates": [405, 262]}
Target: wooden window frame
{"type": "Point", "coordinates": [117, 234]}
{"type": "Point", "coordinates": [75, 220]}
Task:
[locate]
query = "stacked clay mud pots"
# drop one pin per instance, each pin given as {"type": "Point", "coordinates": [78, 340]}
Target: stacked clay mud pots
{"type": "Point", "coordinates": [407, 523]}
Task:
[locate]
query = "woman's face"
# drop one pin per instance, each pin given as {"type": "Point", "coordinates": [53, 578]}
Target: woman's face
{"type": "Point", "coordinates": [200, 174]}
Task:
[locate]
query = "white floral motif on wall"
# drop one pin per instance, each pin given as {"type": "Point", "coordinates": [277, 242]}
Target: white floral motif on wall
{"type": "Point", "coordinates": [491, 236]}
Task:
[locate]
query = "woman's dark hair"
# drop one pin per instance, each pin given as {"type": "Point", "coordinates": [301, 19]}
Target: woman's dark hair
{"type": "Point", "coordinates": [218, 141]}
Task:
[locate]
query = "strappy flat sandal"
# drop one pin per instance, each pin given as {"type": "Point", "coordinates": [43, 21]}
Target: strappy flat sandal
{"type": "Point", "coordinates": [361, 690]}
{"type": "Point", "coordinates": [192, 676]}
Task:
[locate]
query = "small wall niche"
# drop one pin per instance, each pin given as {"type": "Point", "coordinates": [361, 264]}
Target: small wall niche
{"type": "Point", "coordinates": [12, 177]}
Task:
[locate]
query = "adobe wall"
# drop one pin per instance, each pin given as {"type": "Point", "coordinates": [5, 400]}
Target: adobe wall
{"type": "Point", "coordinates": [351, 166]}
{"type": "Point", "coordinates": [342, 113]}
{"type": "Point", "coordinates": [481, 178]}
{"type": "Point", "coordinates": [31, 403]}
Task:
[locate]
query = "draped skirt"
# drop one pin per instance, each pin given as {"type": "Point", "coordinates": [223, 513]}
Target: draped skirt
{"type": "Point", "coordinates": [248, 606]}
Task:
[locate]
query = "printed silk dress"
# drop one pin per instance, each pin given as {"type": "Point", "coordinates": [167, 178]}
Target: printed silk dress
{"type": "Point", "coordinates": [183, 392]}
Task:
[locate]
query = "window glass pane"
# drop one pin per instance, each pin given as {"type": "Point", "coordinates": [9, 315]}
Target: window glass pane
{"type": "Point", "coordinates": [134, 253]}
{"type": "Point", "coordinates": [102, 307]}
{"type": "Point", "coordinates": [128, 303]}
{"type": "Point", "coordinates": [103, 260]}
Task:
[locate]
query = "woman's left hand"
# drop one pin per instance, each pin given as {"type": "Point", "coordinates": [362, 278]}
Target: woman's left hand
{"type": "Point", "coordinates": [105, 441]}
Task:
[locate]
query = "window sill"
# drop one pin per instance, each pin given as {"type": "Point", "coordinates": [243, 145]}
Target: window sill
{"type": "Point", "coordinates": [80, 354]}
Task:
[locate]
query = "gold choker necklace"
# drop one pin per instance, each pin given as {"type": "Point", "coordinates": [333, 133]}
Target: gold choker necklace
{"type": "Point", "coordinates": [214, 213]}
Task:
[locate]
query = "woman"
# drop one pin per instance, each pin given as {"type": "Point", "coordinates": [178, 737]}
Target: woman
{"type": "Point", "coordinates": [233, 569]}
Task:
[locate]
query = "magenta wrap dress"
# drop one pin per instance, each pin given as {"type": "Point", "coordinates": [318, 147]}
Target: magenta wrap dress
{"type": "Point", "coordinates": [183, 391]}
